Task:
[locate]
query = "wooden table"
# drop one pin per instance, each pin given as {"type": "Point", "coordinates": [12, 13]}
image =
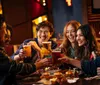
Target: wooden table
{"type": "Point", "coordinates": [32, 80]}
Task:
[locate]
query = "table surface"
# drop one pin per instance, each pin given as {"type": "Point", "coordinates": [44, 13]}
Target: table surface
{"type": "Point", "coordinates": [33, 80]}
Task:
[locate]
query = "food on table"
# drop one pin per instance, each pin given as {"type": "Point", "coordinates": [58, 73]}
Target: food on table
{"type": "Point", "coordinates": [69, 74]}
{"type": "Point", "coordinates": [46, 75]}
{"type": "Point", "coordinates": [58, 74]}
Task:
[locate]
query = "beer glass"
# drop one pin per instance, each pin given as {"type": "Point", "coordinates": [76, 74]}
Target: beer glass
{"type": "Point", "coordinates": [55, 55]}
{"type": "Point", "coordinates": [46, 49]}
{"type": "Point", "coordinates": [27, 49]}
{"type": "Point", "coordinates": [47, 45]}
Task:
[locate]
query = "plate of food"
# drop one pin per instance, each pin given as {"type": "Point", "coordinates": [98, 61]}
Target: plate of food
{"type": "Point", "coordinates": [72, 80]}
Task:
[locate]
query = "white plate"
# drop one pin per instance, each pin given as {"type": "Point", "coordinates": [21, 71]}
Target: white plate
{"type": "Point", "coordinates": [72, 80]}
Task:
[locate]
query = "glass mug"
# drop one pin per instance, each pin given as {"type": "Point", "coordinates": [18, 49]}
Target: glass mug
{"type": "Point", "coordinates": [46, 49]}
{"type": "Point", "coordinates": [55, 55]}
{"type": "Point", "coordinates": [47, 45]}
{"type": "Point", "coordinates": [27, 49]}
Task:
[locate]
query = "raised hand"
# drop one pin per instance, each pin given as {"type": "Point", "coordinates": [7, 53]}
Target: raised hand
{"type": "Point", "coordinates": [21, 54]}
{"type": "Point", "coordinates": [34, 45]}
{"type": "Point", "coordinates": [43, 63]}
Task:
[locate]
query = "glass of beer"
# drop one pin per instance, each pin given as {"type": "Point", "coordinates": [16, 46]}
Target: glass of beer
{"type": "Point", "coordinates": [46, 49]}
{"type": "Point", "coordinates": [55, 55]}
{"type": "Point", "coordinates": [47, 45]}
{"type": "Point", "coordinates": [27, 49]}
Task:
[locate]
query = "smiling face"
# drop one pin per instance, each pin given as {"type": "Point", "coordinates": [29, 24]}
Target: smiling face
{"type": "Point", "coordinates": [80, 38]}
{"type": "Point", "coordinates": [71, 34]}
{"type": "Point", "coordinates": [43, 34]}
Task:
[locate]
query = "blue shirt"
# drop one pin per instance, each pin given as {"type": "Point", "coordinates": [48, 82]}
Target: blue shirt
{"type": "Point", "coordinates": [34, 52]}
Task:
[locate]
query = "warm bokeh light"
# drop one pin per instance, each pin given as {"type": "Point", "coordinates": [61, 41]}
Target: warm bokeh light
{"type": "Point", "coordinates": [36, 21]}
{"type": "Point", "coordinates": [45, 18]}
{"type": "Point", "coordinates": [43, 0]}
{"type": "Point", "coordinates": [40, 19]}
{"type": "Point", "coordinates": [0, 8]}
{"type": "Point", "coordinates": [44, 4]}
{"type": "Point", "coordinates": [69, 2]}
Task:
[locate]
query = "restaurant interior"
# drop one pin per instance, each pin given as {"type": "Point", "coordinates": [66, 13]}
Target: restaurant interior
{"type": "Point", "coordinates": [24, 15]}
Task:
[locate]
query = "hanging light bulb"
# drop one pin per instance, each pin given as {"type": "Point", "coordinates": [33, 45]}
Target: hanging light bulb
{"type": "Point", "coordinates": [43, 0]}
{"type": "Point", "coordinates": [44, 4]}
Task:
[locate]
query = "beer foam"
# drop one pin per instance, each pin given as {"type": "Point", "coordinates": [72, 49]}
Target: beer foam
{"type": "Point", "coordinates": [56, 51]}
{"type": "Point", "coordinates": [46, 42]}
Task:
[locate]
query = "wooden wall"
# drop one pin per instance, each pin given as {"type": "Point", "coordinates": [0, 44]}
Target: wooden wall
{"type": "Point", "coordinates": [90, 17]}
{"type": "Point", "coordinates": [18, 14]}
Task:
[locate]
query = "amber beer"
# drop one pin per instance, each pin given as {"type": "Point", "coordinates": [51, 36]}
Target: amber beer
{"type": "Point", "coordinates": [55, 56]}
{"type": "Point", "coordinates": [47, 45]}
{"type": "Point", "coordinates": [46, 49]}
{"type": "Point", "coordinates": [27, 49]}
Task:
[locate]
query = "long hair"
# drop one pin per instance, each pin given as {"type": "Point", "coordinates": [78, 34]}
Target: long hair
{"type": "Point", "coordinates": [66, 43]}
{"type": "Point", "coordinates": [84, 52]}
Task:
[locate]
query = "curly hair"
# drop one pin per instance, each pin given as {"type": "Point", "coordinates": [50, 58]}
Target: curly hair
{"type": "Point", "coordinates": [45, 24]}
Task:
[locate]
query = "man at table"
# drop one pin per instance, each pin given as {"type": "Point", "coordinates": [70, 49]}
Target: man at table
{"type": "Point", "coordinates": [8, 67]}
{"type": "Point", "coordinates": [45, 31]}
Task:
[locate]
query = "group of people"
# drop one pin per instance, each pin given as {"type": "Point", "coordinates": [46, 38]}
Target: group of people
{"type": "Point", "coordinates": [79, 47]}
{"type": "Point", "coordinates": [9, 67]}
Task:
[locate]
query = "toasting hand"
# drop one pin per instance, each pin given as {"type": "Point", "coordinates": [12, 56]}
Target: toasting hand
{"type": "Point", "coordinates": [43, 63]}
{"type": "Point", "coordinates": [64, 59]}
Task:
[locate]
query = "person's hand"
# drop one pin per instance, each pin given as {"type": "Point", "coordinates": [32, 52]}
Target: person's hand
{"type": "Point", "coordinates": [43, 63]}
{"type": "Point", "coordinates": [64, 59]}
{"type": "Point", "coordinates": [22, 54]}
{"type": "Point", "coordinates": [34, 45]}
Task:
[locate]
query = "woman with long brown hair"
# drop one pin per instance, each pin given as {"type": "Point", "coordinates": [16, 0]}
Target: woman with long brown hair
{"type": "Point", "coordinates": [69, 41]}
{"type": "Point", "coordinates": [87, 51]}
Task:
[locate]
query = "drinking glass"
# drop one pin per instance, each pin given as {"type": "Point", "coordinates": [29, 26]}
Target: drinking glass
{"type": "Point", "coordinates": [46, 49]}
{"type": "Point", "coordinates": [47, 45]}
{"type": "Point", "coordinates": [27, 49]}
{"type": "Point", "coordinates": [55, 55]}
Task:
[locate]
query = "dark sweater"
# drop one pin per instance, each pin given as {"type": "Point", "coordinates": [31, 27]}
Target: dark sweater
{"type": "Point", "coordinates": [9, 68]}
{"type": "Point", "coordinates": [34, 52]}
{"type": "Point", "coordinates": [90, 67]}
